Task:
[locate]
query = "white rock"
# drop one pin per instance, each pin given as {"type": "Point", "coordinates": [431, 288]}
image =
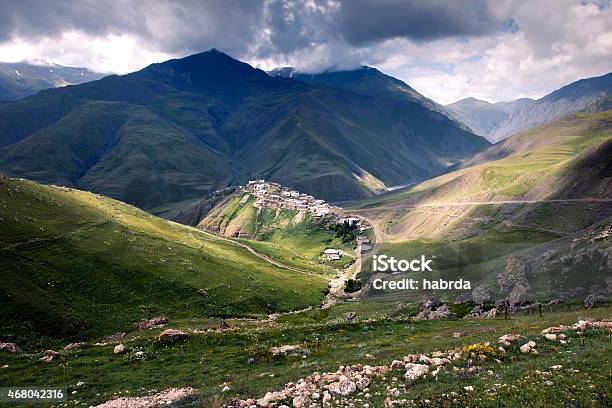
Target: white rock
{"type": "Point", "coordinates": [300, 402]}
{"type": "Point", "coordinates": [326, 397]}
{"type": "Point", "coordinates": [342, 387]}
{"type": "Point", "coordinates": [550, 336]}
{"type": "Point", "coordinates": [414, 371]}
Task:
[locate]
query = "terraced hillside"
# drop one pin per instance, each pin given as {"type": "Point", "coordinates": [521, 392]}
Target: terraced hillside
{"type": "Point", "coordinates": [76, 264]}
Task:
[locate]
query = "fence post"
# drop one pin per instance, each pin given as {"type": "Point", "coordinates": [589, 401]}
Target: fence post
{"type": "Point", "coordinates": [540, 308]}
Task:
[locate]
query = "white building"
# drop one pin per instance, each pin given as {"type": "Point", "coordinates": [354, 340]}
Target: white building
{"type": "Point", "coordinates": [350, 221]}
{"type": "Point", "coordinates": [332, 254]}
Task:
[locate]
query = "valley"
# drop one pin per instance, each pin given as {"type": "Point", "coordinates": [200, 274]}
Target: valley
{"type": "Point", "coordinates": [201, 233]}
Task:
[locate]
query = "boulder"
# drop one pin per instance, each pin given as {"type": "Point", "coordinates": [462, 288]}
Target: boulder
{"type": "Point", "coordinates": [343, 387]}
{"type": "Point", "coordinates": [73, 346]}
{"type": "Point", "coordinates": [350, 317]}
{"type": "Point", "coordinates": [442, 312]}
{"type": "Point", "coordinates": [153, 323]}
{"type": "Point", "coordinates": [414, 371]}
{"type": "Point", "coordinates": [430, 303]}
{"type": "Point", "coordinates": [10, 347]}
{"type": "Point", "coordinates": [528, 347]}
{"type": "Point", "coordinates": [301, 402]}
{"type": "Point", "coordinates": [507, 339]}
{"type": "Point", "coordinates": [119, 348]}
{"type": "Point", "coordinates": [288, 349]}
{"type": "Point", "coordinates": [114, 337]}
{"type": "Point", "coordinates": [172, 335]}
{"type": "Point", "coordinates": [550, 336]}
{"type": "Point", "coordinates": [49, 356]}
{"type": "Point", "coordinates": [398, 365]}
{"type": "Point", "coordinates": [594, 300]}
{"type": "Point", "coordinates": [481, 312]}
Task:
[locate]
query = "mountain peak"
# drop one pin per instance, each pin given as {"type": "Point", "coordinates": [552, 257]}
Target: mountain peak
{"type": "Point", "coordinates": [212, 73]}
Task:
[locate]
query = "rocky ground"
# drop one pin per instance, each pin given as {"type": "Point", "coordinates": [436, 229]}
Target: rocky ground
{"type": "Point", "coordinates": [350, 385]}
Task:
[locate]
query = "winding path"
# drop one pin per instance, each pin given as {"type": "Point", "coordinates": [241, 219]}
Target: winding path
{"type": "Point", "coordinates": [260, 255]}
{"type": "Point", "coordinates": [493, 202]}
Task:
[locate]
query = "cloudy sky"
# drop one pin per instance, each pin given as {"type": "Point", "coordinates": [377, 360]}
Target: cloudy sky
{"type": "Point", "coordinates": [494, 50]}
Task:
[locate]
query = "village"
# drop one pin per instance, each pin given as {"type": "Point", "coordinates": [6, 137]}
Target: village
{"type": "Point", "coordinates": [274, 195]}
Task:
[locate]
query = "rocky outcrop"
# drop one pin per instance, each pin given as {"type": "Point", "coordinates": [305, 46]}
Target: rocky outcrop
{"type": "Point", "coordinates": [114, 337]}
{"type": "Point", "coordinates": [164, 397]}
{"type": "Point", "coordinates": [292, 350]}
{"type": "Point", "coordinates": [482, 312]}
{"type": "Point", "coordinates": [49, 356]}
{"type": "Point", "coordinates": [73, 346]}
{"type": "Point", "coordinates": [172, 335]}
{"type": "Point", "coordinates": [594, 300]}
{"type": "Point", "coordinates": [433, 309]}
{"type": "Point", "coordinates": [153, 323]}
{"type": "Point", "coordinates": [349, 385]}
{"type": "Point", "coordinates": [514, 280]}
{"type": "Point", "coordinates": [508, 339]}
{"type": "Point", "coordinates": [10, 347]}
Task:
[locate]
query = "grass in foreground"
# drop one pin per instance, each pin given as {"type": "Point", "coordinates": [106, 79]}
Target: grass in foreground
{"type": "Point", "coordinates": [241, 359]}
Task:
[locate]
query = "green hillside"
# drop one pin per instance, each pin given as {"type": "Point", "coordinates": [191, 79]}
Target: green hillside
{"type": "Point", "coordinates": [565, 161]}
{"type": "Point", "coordinates": [528, 218]}
{"type": "Point", "coordinates": [163, 137]}
{"type": "Point", "coordinates": [73, 263]}
{"type": "Point", "coordinates": [288, 236]}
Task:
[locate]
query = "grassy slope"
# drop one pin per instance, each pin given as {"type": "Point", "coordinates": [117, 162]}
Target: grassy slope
{"type": "Point", "coordinates": [70, 258]}
{"type": "Point", "coordinates": [207, 360]}
{"type": "Point", "coordinates": [565, 159]}
{"type": "Point", "coordinates": [281, 236]}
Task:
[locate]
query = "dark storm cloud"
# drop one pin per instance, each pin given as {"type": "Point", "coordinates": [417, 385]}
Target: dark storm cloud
{"type": "Point", "coordinates": [365, 21]}
{"type": "Point", "coordinates": [256, 27]}
{"type": "Point", "coordinates": [169, 26]}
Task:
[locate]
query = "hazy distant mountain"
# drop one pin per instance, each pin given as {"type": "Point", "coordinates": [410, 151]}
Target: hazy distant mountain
{"type": "Point", "coordinates": [482, 116]}
{"type": "Point", "coordinates": [497, 121]}
{"type": "Point", "coordinates": [586, 94]}
{"type": "Point", "coordinates": [175, 131]}
{"type": "Point", "coordinates": [18, 80]}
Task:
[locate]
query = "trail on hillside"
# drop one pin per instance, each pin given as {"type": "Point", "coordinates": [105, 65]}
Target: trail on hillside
{"type": "Point", "coordinates": [495, 202]}
{"type": "Point", "coordinates": [260, 255]}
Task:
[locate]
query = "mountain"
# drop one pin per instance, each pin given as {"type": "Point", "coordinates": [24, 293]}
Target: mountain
{"type": "Point", "coordinates": [18, 80]}
{"type": "Point", "coordinates": [482, 116]}
{"type": "Point", "coordinates": [497, 121]}
{"type": "Point", "coordinates": [538, 200]}
{"type": "Point", "coordinates": [364, 81]}
{"type": "Point", "coordinates": [566, 159]}
{"type": "Point", "coordinates": [583, 95]}
{"type": "Point", "coordinates": [76, 263]}
{"type": "Point", "coordinates": [167, 135]}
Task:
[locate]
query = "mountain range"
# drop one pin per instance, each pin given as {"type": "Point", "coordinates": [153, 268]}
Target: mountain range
{"type": "Point", "coordinates": [167, 135]}
{"type": "Point", "coordinates": [18, 80]}
{"type": "Point", "coordinates": [497, 121]}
